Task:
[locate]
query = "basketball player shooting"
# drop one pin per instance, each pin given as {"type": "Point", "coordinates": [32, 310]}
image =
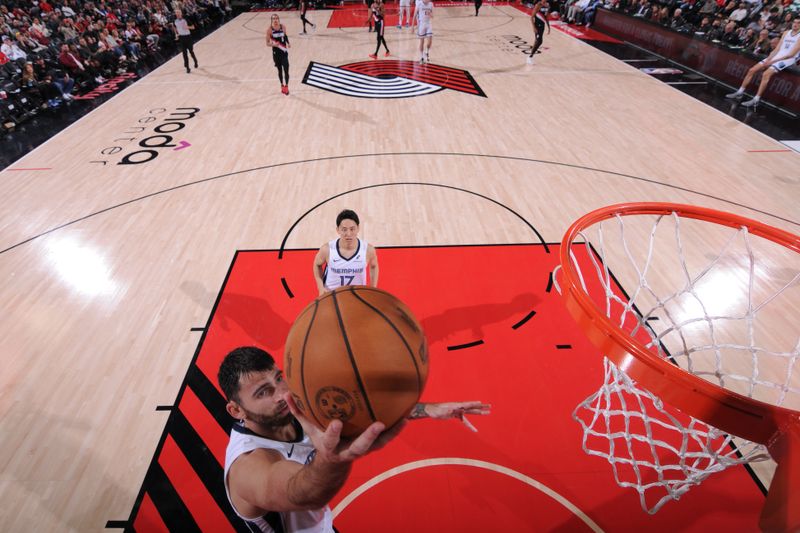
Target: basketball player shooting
{"type": "Point", "coordinates": [281, 470]}
{"type": "Point", "coordinates": [343, 261]}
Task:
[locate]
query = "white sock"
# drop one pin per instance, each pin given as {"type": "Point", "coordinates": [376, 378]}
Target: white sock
{"type": "Point", "coordinates": [757, 98]}
{"type": "Point", "coordinates": [740, 90]}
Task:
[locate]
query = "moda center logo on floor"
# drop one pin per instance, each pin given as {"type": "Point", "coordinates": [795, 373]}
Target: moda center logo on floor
{"type": "Point", "coordinates": [389, 79]}
{"type": "Point", "coordinates": [151, 135]}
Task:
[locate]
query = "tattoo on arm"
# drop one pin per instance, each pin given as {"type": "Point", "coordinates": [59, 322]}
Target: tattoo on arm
{"type": "Point", "coordinates": [418, 412]}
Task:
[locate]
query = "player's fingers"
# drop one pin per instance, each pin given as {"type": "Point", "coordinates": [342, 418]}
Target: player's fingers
{"type": "Point", "coordinates": [389, 434]}
{"type": "Point", "coordinates": [362, 444]}
{"type": "Point", "coordinates": [468, 424]}
{"type": "Point", "coordinates": [332, 435]}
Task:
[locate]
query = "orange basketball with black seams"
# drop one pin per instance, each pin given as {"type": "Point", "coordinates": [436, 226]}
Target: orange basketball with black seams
{"type": "Point", "coordinates": [357, 354]}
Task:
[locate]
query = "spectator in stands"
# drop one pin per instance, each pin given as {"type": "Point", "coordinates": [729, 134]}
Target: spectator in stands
{"type": "Point", "coordinates": [68, 30]}
{"type": "Point", "coordinates": [704, 27]}
{"type": "Point", "coordinates": [729, 35]}
{"type": "Point", "coordinates": [739, 14]}
{"type": "Point", "coordinates": [39, 31]}
{"type": "Point", "coordinates": [645, 10]}
{"type": "Point", "coordinates": [28, 44]}
{"type": "Point", "coordinates": [76, 67]}
{"type": "Point", "coordinates": [45, 89]}
{"type": "Point", "coordinates": [785, 24]}
{"type": "Point", "coordinates": [11, 49]}
{"type": "Point", "coordinates": [749, 39]}
{"type": "Point", "coordinates": [763, 45]}
{"type": "Point", "coordinates": [678, 22]}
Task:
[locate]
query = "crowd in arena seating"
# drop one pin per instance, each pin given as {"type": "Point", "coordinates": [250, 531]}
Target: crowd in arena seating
{"type": "Point", "coordinates": [751, 25]}
{"type": "Point", "coordinates": [53, 50]}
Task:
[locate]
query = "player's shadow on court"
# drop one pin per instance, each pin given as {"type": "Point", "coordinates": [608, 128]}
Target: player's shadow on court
{"type": "Point", "coordinates": [253, 315]}
{"type": "Point", "coordinates": [339, 114]}
{"type": "Point", "coordinates": [474, 317]}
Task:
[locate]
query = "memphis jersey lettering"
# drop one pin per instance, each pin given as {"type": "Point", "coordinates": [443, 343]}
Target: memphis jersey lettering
{"type": "Point", "coordinates": [340, 271]}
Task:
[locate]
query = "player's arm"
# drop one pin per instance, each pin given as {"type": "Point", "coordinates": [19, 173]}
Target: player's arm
{"type": "Point", "coordinates": [547, 22]}
{"type": "Point", "coordinates": [286, 36]}
{"type": "Point", "coordinates": [772, 58]}
{"type": "Point", "coordinates": [443, 411]}
{"type": "Point", "coordinates": [791, 53]}
{"type": "Point", "coordinates": [319, 265]}
{"type": "Point", "coordinates": [263, 479]}
{"type": "Point", "coordinates": [372, 260]}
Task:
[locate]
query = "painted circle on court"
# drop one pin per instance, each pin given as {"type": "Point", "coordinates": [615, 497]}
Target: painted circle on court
{"type": "Point", "coordinates": [458, 494]}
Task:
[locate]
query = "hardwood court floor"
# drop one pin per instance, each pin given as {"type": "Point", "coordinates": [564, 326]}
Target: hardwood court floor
{"type": "Point", "coordinates": [105, 267]}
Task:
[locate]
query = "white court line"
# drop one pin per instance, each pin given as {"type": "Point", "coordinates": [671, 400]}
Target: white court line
{"type": "Point", "coordinates": [447, 461]}
{"type": "Point", "coordinates": [794, 145]}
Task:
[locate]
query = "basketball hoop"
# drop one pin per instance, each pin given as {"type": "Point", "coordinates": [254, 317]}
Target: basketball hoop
{"type": "Point", "coordinates": [696, 313]}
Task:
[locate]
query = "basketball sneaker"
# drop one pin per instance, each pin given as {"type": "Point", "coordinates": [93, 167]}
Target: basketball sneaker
{"type": "Point", "coordinates": [284, 89]}
{"type": "Point", "coordinates": [387, 54]}
{"type": "Point", "coordinates": [737, 95]}
{"type": "Point", "coordinates": [530, 60]}
{"type": "Point", "coordinates": [751, 103]}
{"type": "Point", "coordinates": [374, 56]}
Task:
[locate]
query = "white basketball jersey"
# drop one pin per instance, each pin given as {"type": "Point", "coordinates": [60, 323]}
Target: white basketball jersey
{"type": "Point", "coordinates": [343, 271]}
{"type": "Point", "coordinates": [789, 41]}
{"type": "Point", "coordinates": [243, 441]}
{"type": "Point", "coordinates": [424, 12]}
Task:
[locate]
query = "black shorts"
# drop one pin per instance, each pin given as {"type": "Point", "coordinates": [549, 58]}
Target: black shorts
{"type": "Point", "coordinates": [280, 58]}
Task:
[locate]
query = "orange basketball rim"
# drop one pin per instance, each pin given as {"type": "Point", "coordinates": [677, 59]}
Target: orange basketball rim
{"type": "Point", "coordinates": [776, 427]}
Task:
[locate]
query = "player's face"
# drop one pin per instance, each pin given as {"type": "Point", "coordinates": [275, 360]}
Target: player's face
{"type": "Point", "coordinates": [276, 22]}
{"type": "Point", "coordinates": [796, 25]}
{"type": "Point", "coordinates": [348, 231]}
{"type": "Point", "coordinates": [261, 398]}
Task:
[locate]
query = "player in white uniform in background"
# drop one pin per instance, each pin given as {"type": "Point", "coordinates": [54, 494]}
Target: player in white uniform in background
{"type": "Point", "coordinates": [785, 55]}
{"type": "Point", "coordinates": [344, 261]}
{"type": "Point", "coordinates": [423, 22]}
{"type": "Point", "coordinates": [404, 13]}
{"type": "Point", "coordinates": [281, 470]}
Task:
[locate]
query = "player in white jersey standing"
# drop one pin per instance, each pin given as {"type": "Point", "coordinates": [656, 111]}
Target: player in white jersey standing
{"type": "Point", "coordinates": [344, 261]}
{"type": "Point", "coordinates": [404, 14]}
{"type": "Point", "coordinates": [785, 55]}
{"type": "Point", "coordinates": [281, 470]}
{"type": "Point", "coordinates": [423, 22]}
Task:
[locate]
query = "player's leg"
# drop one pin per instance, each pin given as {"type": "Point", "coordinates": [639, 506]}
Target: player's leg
{"type": "Point", "coordinates": [751, 72]}
{"type": "Point", "coordinates": [428, 48]}
{"type": "Point", "coordinates": [765, 79]}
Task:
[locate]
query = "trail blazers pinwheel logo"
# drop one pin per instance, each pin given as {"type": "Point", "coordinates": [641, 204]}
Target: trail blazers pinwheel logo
{"type": "Point", "coordinates": [389, 79]}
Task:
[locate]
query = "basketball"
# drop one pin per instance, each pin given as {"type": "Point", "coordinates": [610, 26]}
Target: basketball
{"type": "Point", "coordinates": [356, 354]}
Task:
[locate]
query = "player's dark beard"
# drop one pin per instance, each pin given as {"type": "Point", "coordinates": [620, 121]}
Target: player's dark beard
{"type": "Point", "coordinates": [269, 422]}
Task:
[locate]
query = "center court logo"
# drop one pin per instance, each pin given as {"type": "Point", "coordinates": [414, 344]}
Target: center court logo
{"type": "Point", "coordinates": [389, 79]}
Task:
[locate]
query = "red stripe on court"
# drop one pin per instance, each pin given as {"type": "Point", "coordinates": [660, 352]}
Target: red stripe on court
{"type": "Point", "coordinates": [206, 425]}
{"type": "Point", "coordinates": [421, 73]}
{"type": "Point", "coordinates": [190, 488]}
{"type": "Point", "coordinates": [450, 79]}
{"type": "Point", "coordinates": [147, 519]}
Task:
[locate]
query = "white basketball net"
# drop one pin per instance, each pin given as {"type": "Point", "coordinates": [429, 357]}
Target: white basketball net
{"type": "Point", "coordinates": [674, 309]}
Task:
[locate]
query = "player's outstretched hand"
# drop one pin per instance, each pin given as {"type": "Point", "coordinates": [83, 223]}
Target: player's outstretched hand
{"type": "Point", "coordinates": [458, 410]}
{"type": "Point", "coordinates": [332, 448]}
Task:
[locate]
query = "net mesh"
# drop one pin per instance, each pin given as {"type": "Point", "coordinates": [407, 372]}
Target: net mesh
{"type": "Point", "coordinates": [714, 300]}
